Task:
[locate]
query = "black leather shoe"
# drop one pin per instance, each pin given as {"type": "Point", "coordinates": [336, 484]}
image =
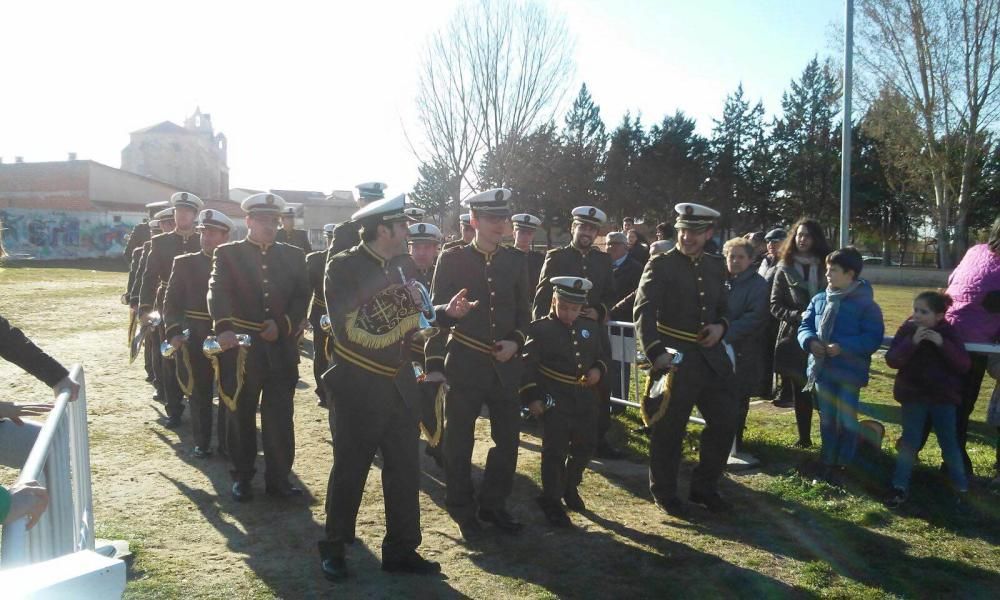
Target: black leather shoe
{"type": "Point", "coordinates": [200, 452]}
{"type": "Point", "coordinates": [472, 530]}
{"type": "Point", "coordinates": [573, 500]}
{"type": "Point", "coordinates": [411, 563]}
{"type": "Point", "coordinates": [436, 454]}
{"type": "Point", "coordinates": [606, 452]}
{"type": "Point", "coordinates": [242, 492]}
{"type": "Point", "coordinates": [334, 567]}
{"type": "Point", "coordinates": [286, 490]}
{"type": "Point", "coordinates": [673, 506]}
{"type": "Point", "coordinates": [173, 422]}
{"type": "Point", "coordinates": [321, 403]}
{"type": "Point", "coordinates": [711, 500]}
{"type": "Point", "coordinates": [157, 397]}
{"type": "Point", "coordinates": [555, 514]}
{"type": "Point", "coordinates": [501, 519]}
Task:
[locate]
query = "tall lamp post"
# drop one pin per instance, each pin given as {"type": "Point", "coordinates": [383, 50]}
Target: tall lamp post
{"type": "Point", "coordinates": [845, 157]}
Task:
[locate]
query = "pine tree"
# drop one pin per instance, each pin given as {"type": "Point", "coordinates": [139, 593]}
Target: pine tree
{"type": "Point", "coordinates": [806, 147]}
{"type": "Point", "coordinates": [673, 166]}
{"type": "Point", "coordinates": [621, 187]}
{"type": "Point", "coordinates": [581, 168]}
{"type": "Point", "coordinates": [433, 190]}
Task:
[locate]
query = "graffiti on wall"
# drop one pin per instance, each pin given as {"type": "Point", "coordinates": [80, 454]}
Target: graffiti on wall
{"type": "Point", "coordinates": [45, 234]}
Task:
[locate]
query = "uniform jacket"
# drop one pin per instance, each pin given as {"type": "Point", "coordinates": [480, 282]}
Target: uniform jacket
{"type": "Point", "coordinates": [316, 271]}
{"type": "Point", "coordinates": [345, 235]}
{"type": "Point", "coordinates": [556, 357]}
{"type": "Point", "coordinates": [133, 290]}
{"type": "Point", "coordinates": [858, 329]}
{"type": "Point", "coordinates": [567, 261]}
{"type": "Point", "coordinates": [185, 305]}
{"type": "Point", "coordinates": [133, 268]}
{"type": "Point", "coordinates": [928, 373]}
{"type": "Point", "coordinates": [15, 347]}
{"type": "Point", "coordinates": [297, 237]}
{"type": "Point", "coordinates": [425, 277]}
{"type": "Point", "coordinates": [748, 318]}
{"type": "Point", "coordinates": [454, 244]}
{"type": "Point", "coordinates": [677, 296]}
{"type": "Point", "coordinates": [977, 275]}
{"type": "Point", "coordinates": [373, 318]}
{"type": "Point", "coordinates": [626, 276]}
{"type": "Point", "coordinates": [499, 281]}
{"type": "Point", "coordinates": [163, 249]}
{"type": "Point", "coordinates": [789, 297]}
{"type": "Point", "coordinates": [252, 283]}
{"type": "Point", "coordinates": [140, 235]}
{"type": "Point", "coordinates": [535, 261]}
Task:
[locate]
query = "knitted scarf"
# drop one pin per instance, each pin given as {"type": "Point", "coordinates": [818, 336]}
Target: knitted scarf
{"type": "Point", "coordinates": [827, 320]}
{"type": "Point", "coordinates": [812, 279]}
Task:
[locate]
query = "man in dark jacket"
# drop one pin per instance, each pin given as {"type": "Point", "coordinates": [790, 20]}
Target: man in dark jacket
{"type": "Point", "coordinates": [681, 304]}
{"type": "Point", "coordinates": [316, 270]}
{"type": "Point", "coordinates": [346, 234]}
{"type": "Point", "coordinates": [288, 234]}
{"type": "Point", "coordinates": [261, 289]}
{"type": "Point", "coordinates": [525, 227]}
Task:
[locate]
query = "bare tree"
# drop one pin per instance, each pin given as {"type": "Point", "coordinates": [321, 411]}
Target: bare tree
{"type": "Point", "coordinates": [496, 71]}
{"type": "Point", "coordinates": [941, 57]}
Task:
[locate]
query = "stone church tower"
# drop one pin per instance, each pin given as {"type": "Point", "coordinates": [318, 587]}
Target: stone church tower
{"type": "Point", "coordinates": [192, 157]}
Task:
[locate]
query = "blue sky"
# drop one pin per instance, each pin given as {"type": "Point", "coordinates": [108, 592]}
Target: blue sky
{"type": "Point", "coordinates": [319, 95]}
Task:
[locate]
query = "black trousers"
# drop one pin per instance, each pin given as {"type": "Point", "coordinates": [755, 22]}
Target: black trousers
{"type": "Point", "coordinates": [568, 441]}
{"type": "Point", "coordinates": [462, 406]}
{"type": "Point", "coordinates": [695, 384]}
{"type": "Point", "coordinates": [273, 387]}
{"type": "Point", "coordinates": [153, 348]}
{"type": "Point", "coordinates": [372, 416]}
{"type": "Point", "coordinates": [320, 362]}
{"type": "Point", "coordinates": [172, 393]}
{"type": "Point", "coordinates": [971, 385]}
{"type": "Point", "coordinates": [147, 356]}
{"type": "Point", "coordinates": [200, 400]}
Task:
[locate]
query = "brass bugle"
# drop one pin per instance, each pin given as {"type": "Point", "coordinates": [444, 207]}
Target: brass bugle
{"type": "Point", "coordinates": [211, 347]}
{"type": "Point", "coordinates": [167, 349]}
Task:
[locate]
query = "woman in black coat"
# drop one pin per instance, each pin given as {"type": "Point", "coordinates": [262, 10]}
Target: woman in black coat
{"type": "Point", "coordinates": [800, 275]}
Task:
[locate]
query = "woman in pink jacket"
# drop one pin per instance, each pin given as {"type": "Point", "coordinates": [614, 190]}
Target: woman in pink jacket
{"type": "Point", "coordinates": [974, 286]}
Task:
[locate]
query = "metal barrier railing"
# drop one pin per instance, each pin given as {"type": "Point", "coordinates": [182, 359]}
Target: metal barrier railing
{"type": "Point", "coordinates": [59, 460]}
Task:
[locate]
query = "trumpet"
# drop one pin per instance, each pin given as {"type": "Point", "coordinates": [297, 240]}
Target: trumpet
{"type": "Point", "coordinates": [427, 316]}
{"type": "Point", "coordinates": [154, 320]}
{"type": "Point", "coordinates": [167, 350]}
{"type": "Point", "coordinates": [211, 346]}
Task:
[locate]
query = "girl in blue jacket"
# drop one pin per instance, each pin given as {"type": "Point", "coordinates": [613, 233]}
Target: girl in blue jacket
{"type": "Point", "coordinates": [841, 329]}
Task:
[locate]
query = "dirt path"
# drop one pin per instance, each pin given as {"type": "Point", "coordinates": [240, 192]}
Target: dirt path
{"type": "Point", "coordinates": [193, 541]}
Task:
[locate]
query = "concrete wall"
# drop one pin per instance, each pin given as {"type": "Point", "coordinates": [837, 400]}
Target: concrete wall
{"type": "Point", "coordinates": [113, 185]}
{"type": "Point", "coordinates": [929, 278]}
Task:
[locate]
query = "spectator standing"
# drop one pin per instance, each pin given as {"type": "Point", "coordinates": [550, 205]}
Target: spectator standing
{"type": "Point", "coordinates": [638, 246]}
{"type": "Point", "coordinates": [748, 315]}
{"type": "Point", "coordinates": [797, 279]}
{"type": "Point", "coordinates": [626, 271]}
{"type": "Point", "coordinates": [768, 267]}
{"type": "Point", "coordinates": [841, 328]}
{"type": "Point", "coordinates": [932, 362]}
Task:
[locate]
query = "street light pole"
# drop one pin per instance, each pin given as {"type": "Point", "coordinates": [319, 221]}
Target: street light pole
{"type": "Point", "coordinates": [845, 157]}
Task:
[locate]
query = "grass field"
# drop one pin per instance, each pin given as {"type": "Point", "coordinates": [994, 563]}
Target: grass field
{"type": "Point", "coordinates": [788, 537]}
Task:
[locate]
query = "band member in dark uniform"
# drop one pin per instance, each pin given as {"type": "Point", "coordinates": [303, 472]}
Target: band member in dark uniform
{"type": "Point", "coordinates": [131, 298]}
{"type": "Point", "coordinates": [374, 311]}
{"type": "Point", "coordinates": [261, 289]}
{"type": "Point", "coordinates": [564, 359]}
{"type": "Point", "coordinates": [185, 308]}
{"type": "Point", "coordinates": [580, 258]}
{"type": "Point", "coordinates": [482, 363]}
{"type": "Point", "coordinates": [162, 251]}
{"type": "Point", "coordinates": [681, 304]}
{"type": "Point", "coordinates": [425, 239]}
{"type": "Point", "coordinates": [288, 234]}
{"type": "Point", "coordinates": [316, 268]}
{"type": "Point", "coordinates": [346, 234]}
{"type": "Point", "coordinates": [468, 232]}
{"type": "Point", "coordinates": [525, 226]}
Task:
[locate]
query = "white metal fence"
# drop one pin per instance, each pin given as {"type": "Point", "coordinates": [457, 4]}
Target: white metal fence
{"type": "Point", "coordinates": [56, 557]}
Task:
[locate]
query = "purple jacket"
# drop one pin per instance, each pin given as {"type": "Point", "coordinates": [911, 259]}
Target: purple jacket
{"type": "Point", "coordinates": [972, 279]}
{"type": "Point", "coordinates": [928, 373]}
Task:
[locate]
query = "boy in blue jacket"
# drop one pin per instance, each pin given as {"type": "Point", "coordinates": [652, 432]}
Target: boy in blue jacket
{"type": "Point", "coordinates": [841, 330]}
